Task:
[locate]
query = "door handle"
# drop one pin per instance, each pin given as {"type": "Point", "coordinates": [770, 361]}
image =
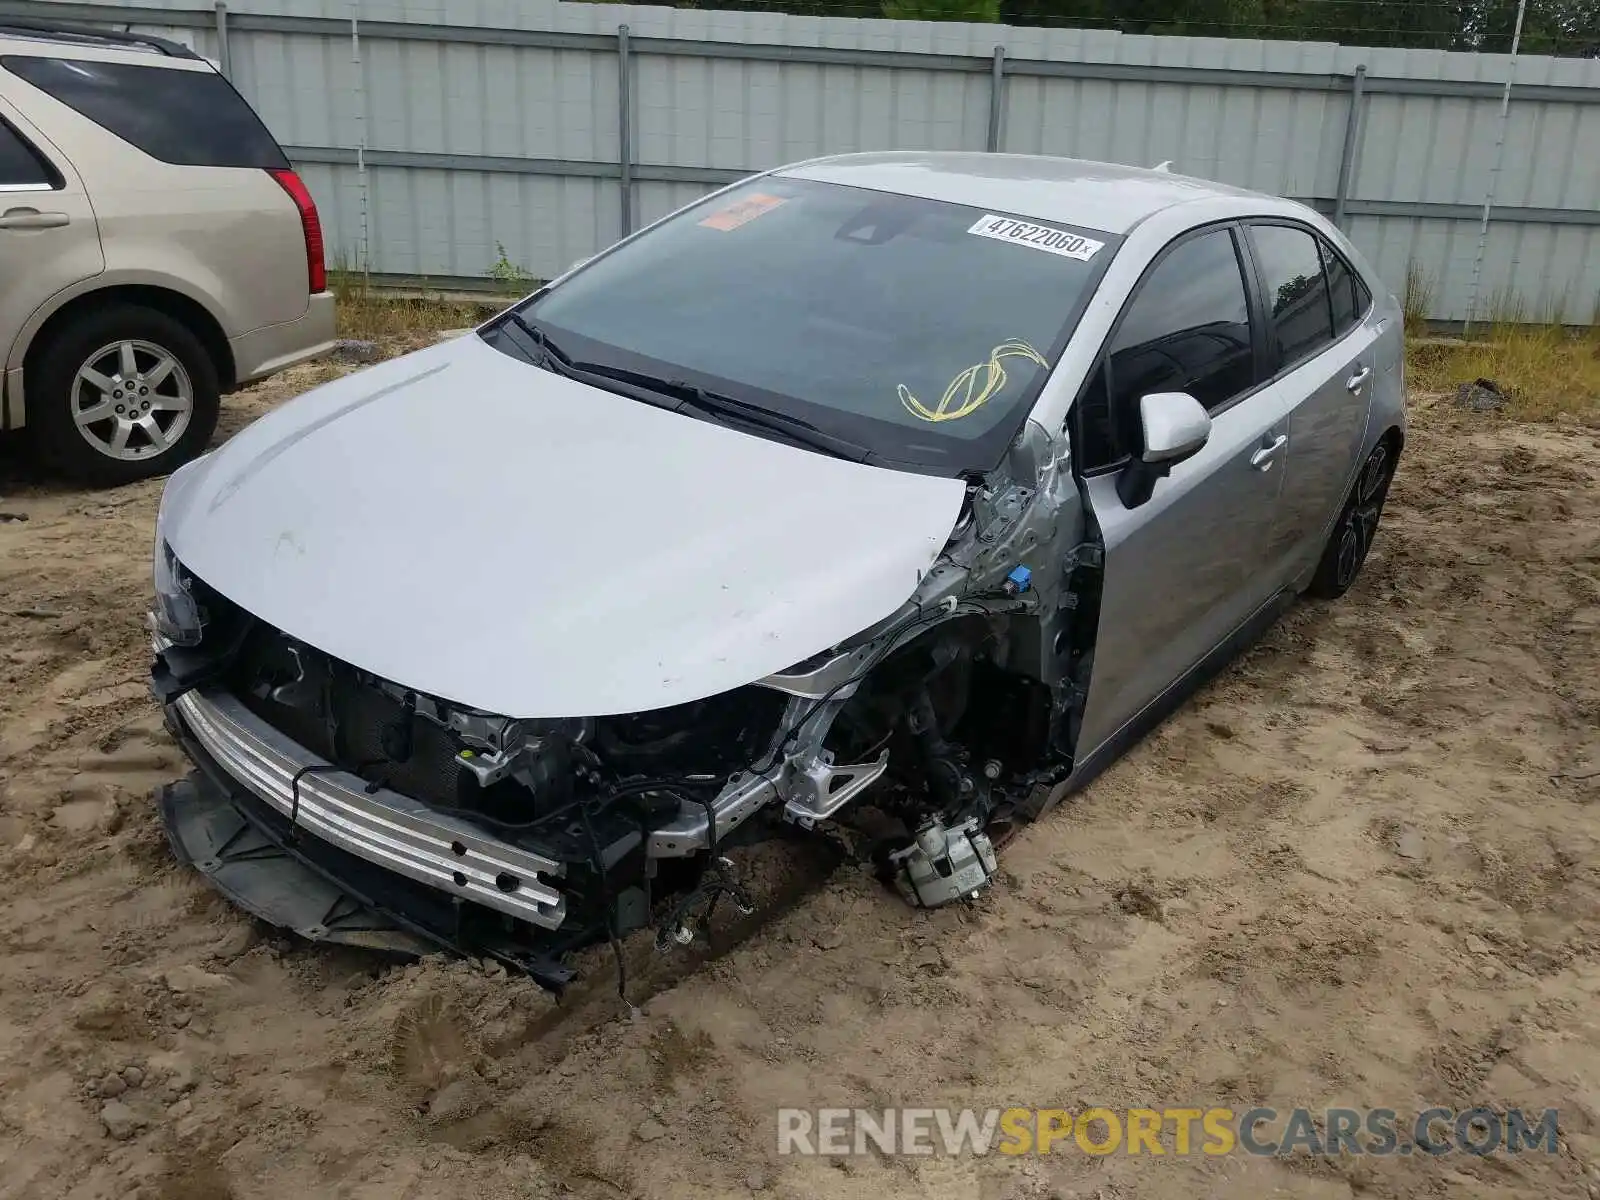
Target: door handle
{"type": "Point", "coordinates": [1355, 381]}
{"type": "Point", "coordinates": [1263, 458]}
{"type": "Point", "coordinates": [32, 218]}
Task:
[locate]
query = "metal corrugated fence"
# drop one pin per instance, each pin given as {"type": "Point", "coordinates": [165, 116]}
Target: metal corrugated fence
{"type": "Point", "coordinates": [434, 135]}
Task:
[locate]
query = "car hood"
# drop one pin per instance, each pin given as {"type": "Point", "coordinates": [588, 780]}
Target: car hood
{"type": "Point", "coordinates": [464, 524]}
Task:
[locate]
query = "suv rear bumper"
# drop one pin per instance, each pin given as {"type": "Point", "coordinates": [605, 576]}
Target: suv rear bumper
{"type": "Point", "coordinates": [272, 348]}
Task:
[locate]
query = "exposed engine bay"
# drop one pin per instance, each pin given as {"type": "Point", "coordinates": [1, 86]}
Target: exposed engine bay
{"type": "Point", "coordinates": [916, 745]}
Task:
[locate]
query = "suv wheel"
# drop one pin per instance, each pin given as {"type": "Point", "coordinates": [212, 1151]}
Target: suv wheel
{"type": "Point", "coordinates": [121, 394]}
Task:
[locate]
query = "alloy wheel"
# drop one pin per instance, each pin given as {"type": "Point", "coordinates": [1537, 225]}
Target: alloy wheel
{"type": "Point", "coordinates": [132, 400]}
{"type": "Point", "coordinates": [1360, 521]}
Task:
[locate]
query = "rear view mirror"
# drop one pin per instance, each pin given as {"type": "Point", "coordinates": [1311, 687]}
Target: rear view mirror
{"type": "Point", "coordinates": [1175, 426]}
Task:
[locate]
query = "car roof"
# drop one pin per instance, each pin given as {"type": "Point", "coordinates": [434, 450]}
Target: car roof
{"type": "Point", "coordinates": [1072, 191]}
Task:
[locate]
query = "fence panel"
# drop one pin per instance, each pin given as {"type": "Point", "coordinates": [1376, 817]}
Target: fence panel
{"type": "Point", "coordinates": [454, 132]}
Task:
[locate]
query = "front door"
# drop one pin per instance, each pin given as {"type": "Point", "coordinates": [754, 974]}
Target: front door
{"type": "Point", "coordinates": [1189, 565]}
{"type": "Point", "coordinates": [48, 237]}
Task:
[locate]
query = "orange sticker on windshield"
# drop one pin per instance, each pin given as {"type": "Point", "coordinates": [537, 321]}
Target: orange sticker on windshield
{"type": "Point", "coordinates": [742, 211]}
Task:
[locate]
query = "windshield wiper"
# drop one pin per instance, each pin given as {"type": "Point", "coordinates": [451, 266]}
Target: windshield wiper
{"type": "Point", "coordinates": [548, 350]}
{"type": "Point", "coordinates": [720, 405]}
{"type": "Point", "coordinates": [688, 395]}
{"type": "Point", "coordinates": [547, 356]}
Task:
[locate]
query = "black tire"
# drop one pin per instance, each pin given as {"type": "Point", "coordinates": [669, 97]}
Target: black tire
{"type": "Point", "coordinates": [1353, 532]}
{"type": "Point", "coordinates": [57, 397]}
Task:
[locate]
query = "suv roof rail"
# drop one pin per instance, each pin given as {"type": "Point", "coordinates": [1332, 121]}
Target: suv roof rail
{"type": "Point", "coordinates": [80, 33]}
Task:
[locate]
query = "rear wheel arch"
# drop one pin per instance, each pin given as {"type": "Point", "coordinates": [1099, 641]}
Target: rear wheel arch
{"type": "Point", "coordinates": [183, 309]}
{"type": "Point", "coordinates": [92, 356]}
{"type": "Point", "coordinates": [1396, 439]}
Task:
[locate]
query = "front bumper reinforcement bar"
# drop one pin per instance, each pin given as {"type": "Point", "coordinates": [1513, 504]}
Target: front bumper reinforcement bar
{"type": "Point", "coordinates": [378, 825]}
{"type": "Point", "coordinates": [247, 850]}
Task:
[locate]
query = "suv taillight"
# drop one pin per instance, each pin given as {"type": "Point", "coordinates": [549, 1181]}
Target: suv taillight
{"type": "Point", "coordinates": [310, 225]}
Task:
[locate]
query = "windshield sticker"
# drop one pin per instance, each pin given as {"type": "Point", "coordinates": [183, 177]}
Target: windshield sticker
{"type": "Point", "coordinates": [1037, 237]}
{"type": "Point", "coordinates": [742, 211]}
{"type": "Point", "coordinates": [974, 387]}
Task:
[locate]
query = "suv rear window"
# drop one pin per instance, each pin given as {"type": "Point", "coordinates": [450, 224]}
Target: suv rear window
{"type": "Point", "coordinates": [190, 118]}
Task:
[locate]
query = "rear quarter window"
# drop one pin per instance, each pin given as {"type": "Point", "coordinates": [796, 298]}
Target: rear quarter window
{"type": "Point", "coordinates": [20, 165]}
{"type": "Point", "coordinates": [1349, 297]}
{"type": "Point", "coordinates": [188, 118]}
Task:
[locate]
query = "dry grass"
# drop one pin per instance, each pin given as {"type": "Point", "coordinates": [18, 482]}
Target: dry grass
{"type": "Point", "coordinates": [379, 317]}
{"type": "Point", "coordinates": [1417, 300]}
{"type": "Point", "coordinates": [1548, 373]}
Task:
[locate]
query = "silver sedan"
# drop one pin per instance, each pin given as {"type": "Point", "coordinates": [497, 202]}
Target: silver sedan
{"type": "Point", "coordinates": [891, 493]}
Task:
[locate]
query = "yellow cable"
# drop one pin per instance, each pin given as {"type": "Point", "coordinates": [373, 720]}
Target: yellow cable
{"type": "Point", "coordinates": [964, 392]}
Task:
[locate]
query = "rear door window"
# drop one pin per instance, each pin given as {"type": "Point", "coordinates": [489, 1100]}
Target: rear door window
{"type": "Point", "coordinates": [1186, 330]}
{"type": "Point", "coordinates": [20, 166]}
{"type": "Point", "coordinates": [1295, 290]}
{"type": "Point", "coordinates": [186, 117]}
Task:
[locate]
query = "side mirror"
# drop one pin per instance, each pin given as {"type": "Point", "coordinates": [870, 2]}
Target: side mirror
{"type": "Point", "coordinates": [1175, 427]}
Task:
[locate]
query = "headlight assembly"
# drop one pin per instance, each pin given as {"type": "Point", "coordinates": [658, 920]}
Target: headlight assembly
{"type": "Point", "coordinates": [177, 615]}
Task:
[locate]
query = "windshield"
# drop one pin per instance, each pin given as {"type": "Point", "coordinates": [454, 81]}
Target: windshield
{"type": "Point", "coordinates": [920, 330]}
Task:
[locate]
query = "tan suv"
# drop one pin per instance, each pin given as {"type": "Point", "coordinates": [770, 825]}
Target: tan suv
{"type": "Point", "coordinates": [156, 250]}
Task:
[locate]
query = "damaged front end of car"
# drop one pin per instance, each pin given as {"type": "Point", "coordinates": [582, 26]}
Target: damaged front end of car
{"type": "Point", "coordinates": [350, 808]}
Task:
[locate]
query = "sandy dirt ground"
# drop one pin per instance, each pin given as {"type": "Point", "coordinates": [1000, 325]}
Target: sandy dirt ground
{"type": "Point", "coordinates": [1359, 869]}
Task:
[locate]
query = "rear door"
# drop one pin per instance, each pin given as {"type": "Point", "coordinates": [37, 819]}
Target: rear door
{"type": "Point", "coordinates": [1323, 358]}
{"type": "Point", "coordinates": [48, 238]}
{"type": "Point", "coordinates": [1188, 566]}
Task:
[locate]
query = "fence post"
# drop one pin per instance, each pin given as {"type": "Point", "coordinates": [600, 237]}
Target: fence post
{"type": "Point", "coordinates": [625, 127]}
{"type": "Point", "coordinates": [1352, 143]}
{"type": "Point", "coordinates": [359, 91]}
{"type": "Point", "coordinates": [997, 84]}
{"type": "Point", "coordinates": [223, 57]}
{"type": "Point", "coordinates": [1494, 171]}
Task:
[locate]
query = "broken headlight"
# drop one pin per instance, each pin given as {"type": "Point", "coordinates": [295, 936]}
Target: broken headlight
{"type": "Point", "coordinates": [177, 616]}
{"type": "Point", "coordinates": [176, 613]}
